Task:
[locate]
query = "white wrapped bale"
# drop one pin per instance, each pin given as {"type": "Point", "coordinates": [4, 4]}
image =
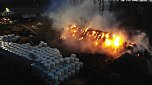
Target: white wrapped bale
{"type": "Point", "coordinates": [62, 71]}
{"type": "Point", "coordinates": [42, 62]}
{"type": "Point", "coordinates": [73, 66]}
{"type": "Point", "coordinates": [47, 66]}
{"type": "Point", "coordinates": [77, 64]}
{"type": "Point", "coordinates": [32, 55]}
{"type": "Point", "coordinates": [65, 70]}
{"type": "Point", "coordinates": [50, 75]}
{"type": "Point", "coordinates": [5, 38]}
{"type": "Point", "coordinates": [73, 72]}
{"type": "Point", "coordinates": [45, 44]}
{"type": "Point", "coordinates": [58, 73]}
{"type": "Point", "coordinates": [13, 35]}
{"type": "Point", "coordinates": [61, 60]}
{"type": "Point", "coordinates": [73, 55]}
{"type": "Point", "coordinates": [57, 62]}
{"type": "Point", "coordinates": [56, 50]}
{"type": "Point", "coordinates": [69, 67]}
{"type": "Point", "coordinates": [81, 64]}
{"type": "Point", "coordinates": [10, 38]}
{"type": "Point", "coordinates": [3, 44]}
{"type": "Point", "coordinates": [71, 59]}
{"type": "Point", "coordinates": [53, 70]}
{"type": "Point", "coordinates": [65, 76]}
{"type": "Point", "coordinates": [55, 80]}
{"type": "Point", "coordinates": [69, 74]}
{"type": "Point", "coordinates": [52, 65]}
{"type": "Point", "coordinates": [52, 58]}
{"type": "Point", "coordinates": [76, 59]}
{"type": "Point", "coordinates": [17, 37]}
{"type": "Point", "coordinates": [1, 38]}
{"type": "Point", "coordinates": [77, 70]}
{"type": "Point", "coordinates": [61, 79]}
{"type": "Point", "coordinates": [67, 60]}
{"type": "Point", "coordinates": [6, 44]}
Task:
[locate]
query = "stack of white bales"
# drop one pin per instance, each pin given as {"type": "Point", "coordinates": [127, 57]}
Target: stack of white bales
{"type": "Point", "coordinates": [47, 62]}
{"type": "Point", "coordinates": [52, 66]}
{"type": "Point", "coordinates": [9, 38]}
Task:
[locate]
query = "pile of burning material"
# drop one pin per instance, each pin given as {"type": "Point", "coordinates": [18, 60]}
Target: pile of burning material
{"type": "Point", "coordinates": [46, 62]}
{"type": "Point", "coordinates": [95, 40]}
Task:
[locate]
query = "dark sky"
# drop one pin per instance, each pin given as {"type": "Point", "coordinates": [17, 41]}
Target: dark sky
{"type": "Point", "coordinates": [22, 3]}
{"type": "Point", "coordinates": [19, 1]}
{"type": "Point", "coordinates": [11, 1]}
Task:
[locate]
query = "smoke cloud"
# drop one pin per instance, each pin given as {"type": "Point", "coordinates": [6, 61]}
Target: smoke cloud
{"type": "Point", "coordinates": [142, 41]}
{"type": "Point", "coordinates": [83, 12]}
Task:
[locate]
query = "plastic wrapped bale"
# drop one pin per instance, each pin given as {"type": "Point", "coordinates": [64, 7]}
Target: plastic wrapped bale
{"type": "Point", "coordinates": [47, 66]}
{"type": "Point", "coordinates": [55, 80]}
{"type": "Point", "coordinates": [61, 60]}
{"type": "Point", "coordinates": [76, 59]}
{"type": "Point", "coordinates": [10, 38]}
{"type": "Point", "coordinates": [58, 73]}
{"type": "Point", "coordinates": [59, 55]}
{"type": "Point", "coordinates": [73, 55]}
{"type": "Point", "coordinates": [6, 44]}
{"type": "Point", "coordinates": [69, 67]}
{"type": "Point", "coordinates": [73, 66]}
{"type": "Point", "coordinates": [57, 62]}
{"type": "Point", "coordinates": [41, 62]}
{"type": "Point", "coordinates": [41, 44]}
{"type": "Point", "coordinates": [56, 50]}
{"type": "Point", "coordinates": [73, 73]}
{"type": "Point", "coordinates": [13, 35]}
{"type": "Point", "coordinates": [32, 55]}
{"type": "Point", "coordinates": [45, 44]}
{"type": "Point", "coordinates": [67, 60]}
{"type": "Point", "coordinates": [1, 38]}
{"type": "Point", "coordinates": [17, 37]}
{"type": "Point", "coordinates": [28, 46]}
{"type": "Point", "coordinates": [77, 70]}
{"type": "Point", "coordinates": [6, 38]}
{"type": "Point", "coordinates": [62, 71]}
{"type": "Point", "coordinates": [38, 61]}
{"type": "Point", "coordinates": [65, 70]}
{"type": "Point", "coordinates": [50, 78]}
{"type": "Point", "coordinates": [52, 65]}
{"type": "Point", "coordinates": [2, 44]}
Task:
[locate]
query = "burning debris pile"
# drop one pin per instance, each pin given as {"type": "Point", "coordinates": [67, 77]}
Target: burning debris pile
{"type": "Point", "coordinates": [95, 40]}
{"type": "Point", "coordinates": [93, 32]}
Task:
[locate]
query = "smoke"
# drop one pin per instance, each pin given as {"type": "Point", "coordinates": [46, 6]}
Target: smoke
{"type": "Point", "coordinates": [84, 13]}
{"type": "Point", "coordinates": [142, 41]}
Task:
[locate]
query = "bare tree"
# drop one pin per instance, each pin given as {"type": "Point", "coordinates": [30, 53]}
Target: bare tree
{"type": "Point", "coordinates": [100, 5]}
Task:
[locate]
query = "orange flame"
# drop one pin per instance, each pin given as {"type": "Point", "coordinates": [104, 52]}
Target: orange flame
{"type": "Point", "coordinates": [99, 41]}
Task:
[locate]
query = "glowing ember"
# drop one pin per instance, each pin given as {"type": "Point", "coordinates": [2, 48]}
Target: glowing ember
{"type": "Point", "coordinates": [95, 40]}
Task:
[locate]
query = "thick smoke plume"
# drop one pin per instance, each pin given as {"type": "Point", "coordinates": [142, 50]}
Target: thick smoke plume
{"type": "Point", "coordinates": [84, 13]}
{"type": "Point", "coordinates": [81, 12]}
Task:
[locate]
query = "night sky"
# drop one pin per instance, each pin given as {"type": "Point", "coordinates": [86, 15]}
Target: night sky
{"type": "Point", "coordinates": [23, 3]}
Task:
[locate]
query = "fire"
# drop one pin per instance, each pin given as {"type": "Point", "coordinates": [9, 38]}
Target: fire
{"type": "Point", "coordinates": [95, 40]}
{"type": "Point", "coordinates": [108, 43]}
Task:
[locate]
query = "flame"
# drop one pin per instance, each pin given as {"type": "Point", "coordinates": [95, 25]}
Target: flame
{"type": "Point", "coordinates": [95, 40]}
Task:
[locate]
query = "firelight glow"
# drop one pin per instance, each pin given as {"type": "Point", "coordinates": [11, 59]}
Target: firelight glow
{"type": "Point", "coordinates": [95, 40]}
